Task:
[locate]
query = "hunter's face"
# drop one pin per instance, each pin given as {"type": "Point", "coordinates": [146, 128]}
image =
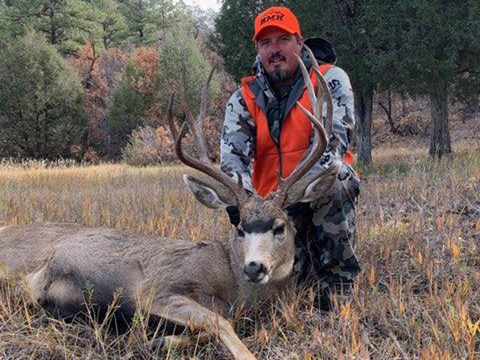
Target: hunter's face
{"type": "Point", "coordinates": [276, 49]}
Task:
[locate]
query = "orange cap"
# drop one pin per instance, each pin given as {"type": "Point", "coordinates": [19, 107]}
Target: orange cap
{"type": "Point", "coordinates": [276, 16]}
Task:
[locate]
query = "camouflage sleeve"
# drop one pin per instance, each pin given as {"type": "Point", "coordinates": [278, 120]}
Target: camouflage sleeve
{"type": "Point", "coordinates": [237, 142]}
{"type": "Point", "coordinates": [343, 118]}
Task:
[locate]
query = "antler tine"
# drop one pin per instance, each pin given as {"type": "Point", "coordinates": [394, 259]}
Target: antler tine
{"type": "Point", "coordinates": [205, 165]}
{"type": "Point", "coordinates": [170, 122]}
{"type": "Point", "coordinates": [311, 91]}
{"type": "Point", "coordinates": [328, 123]}
{"type": "Point", "coordinates": [203, 103]}
{"type": "Point", "coordinates": [197, 125]}
{"type": "Point", "coordinates": [320, 139]}
{"type": "Point", "coordinates": [209, 169]}
{"type": "Point", "coordinates": [317, 111]}
{"type": "Point", "coordinates": [323, 89]}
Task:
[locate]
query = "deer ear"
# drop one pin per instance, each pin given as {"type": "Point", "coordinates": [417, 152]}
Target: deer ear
{"type": "Point", "coordinates": [320, 186]}
{"type": "Point", "coordinates": [210, 195]}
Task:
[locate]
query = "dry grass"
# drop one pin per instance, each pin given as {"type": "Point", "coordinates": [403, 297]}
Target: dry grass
{"type": "Point", "coordinates": [418, 238]}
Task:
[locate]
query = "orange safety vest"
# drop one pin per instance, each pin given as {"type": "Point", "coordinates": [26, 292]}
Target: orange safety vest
{"type": "Point", "coordinates": [294, 139]}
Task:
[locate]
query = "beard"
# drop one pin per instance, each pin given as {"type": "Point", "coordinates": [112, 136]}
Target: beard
{"type": "Point", "coordinates": [276, 74]}
{"type": "Point", "coordinates": [279, 75]}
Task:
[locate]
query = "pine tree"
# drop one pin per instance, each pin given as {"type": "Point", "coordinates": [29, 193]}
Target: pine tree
{"type": "Point", "coordinates": [65, 24]}
{"type": "Point", "coordinates": [41, 102]}
{"type": "Point", "coordinates": [147, 20]}
{"type": "Point", "coordinates": [234, 33]}
{"type": "Point", "coordinates": [441, 50]}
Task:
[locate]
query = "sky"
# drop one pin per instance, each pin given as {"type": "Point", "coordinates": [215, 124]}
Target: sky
{"type": "Point", "coordinates": [205, 4]}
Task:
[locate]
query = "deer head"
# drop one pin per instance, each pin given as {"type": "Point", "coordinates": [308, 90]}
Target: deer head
{"type": "Point", "coordinates": [264, 241]}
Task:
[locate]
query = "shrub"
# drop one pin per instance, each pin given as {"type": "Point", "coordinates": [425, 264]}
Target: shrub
{"type": "Point", "coordinates": [149, 146]}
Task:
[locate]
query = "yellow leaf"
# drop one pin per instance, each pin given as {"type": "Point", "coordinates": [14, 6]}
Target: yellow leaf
{"type": "Point", "coordinates": [419, 258]}
{"type": "Point", "coordinates": [346, 310]}
{"type": "Point", "coordinates": [454, 249]}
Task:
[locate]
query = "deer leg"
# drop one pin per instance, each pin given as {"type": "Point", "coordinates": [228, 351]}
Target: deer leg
{"type": "Point", "coordinates": [184, 311]}
{"type": "Point", "coordinates": [57, 294]}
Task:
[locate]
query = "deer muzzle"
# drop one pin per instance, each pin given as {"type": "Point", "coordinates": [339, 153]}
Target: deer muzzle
{"type": "Point", "coordinates": [256, 272]}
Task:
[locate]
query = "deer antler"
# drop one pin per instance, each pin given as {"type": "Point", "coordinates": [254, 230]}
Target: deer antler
{"type": "Point", "coordinates": [321, 136]}
{"type": "Point", "coordinates": [204, 165]}
{"type": "Point", "coordinates": [328, 123]}
{"type": "Point", "coordinates": [170, 122]}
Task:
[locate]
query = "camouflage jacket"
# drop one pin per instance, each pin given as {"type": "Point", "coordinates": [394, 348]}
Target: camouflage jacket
{"type": "Point", "coordinates": [237, 149]}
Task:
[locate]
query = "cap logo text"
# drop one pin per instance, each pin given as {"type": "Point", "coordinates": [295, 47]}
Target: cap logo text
{"type": "Point", "coordinates": [277, 16]}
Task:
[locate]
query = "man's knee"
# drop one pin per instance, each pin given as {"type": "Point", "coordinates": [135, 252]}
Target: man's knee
{"type": "Point", "coordinates": [330, 246]}
{"type": "Point", "coordinates": [336, 212]}
{"type": "Point", "coordinates": [346, 187]}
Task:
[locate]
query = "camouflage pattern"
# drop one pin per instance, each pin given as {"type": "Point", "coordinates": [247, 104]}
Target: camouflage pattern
{"type": "Point", "coordinates": [326, 234]}
{"type": "Point", "coordinates": [326, 229]}
{"type": "Point", "coordinates": [238, 141]}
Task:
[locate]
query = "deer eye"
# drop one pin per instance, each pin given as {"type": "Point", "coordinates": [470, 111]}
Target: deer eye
{"type": "Point", "coordinates": [240, 233]}
{"type": "Point", "coordinates": [279, 231]}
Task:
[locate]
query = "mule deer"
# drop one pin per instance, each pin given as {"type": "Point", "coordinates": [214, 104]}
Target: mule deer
{"type": "Point", "coordinates": [191, 284]}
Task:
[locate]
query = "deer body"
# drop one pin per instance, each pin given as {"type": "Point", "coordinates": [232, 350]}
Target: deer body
{"type": "Point", "coordinates": [71, 256]}
{"type": "Point", "coordinates": [186, 283]}
{"type": "Point", "coordinates": [64, 264]}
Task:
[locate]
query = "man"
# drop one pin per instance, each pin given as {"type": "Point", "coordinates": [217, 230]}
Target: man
{"type": "Point", "coordinates": [325, 228]}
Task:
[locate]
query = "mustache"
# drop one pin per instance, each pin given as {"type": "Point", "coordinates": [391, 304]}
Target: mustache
{"type": "Point", "coordinates": [276, 56]}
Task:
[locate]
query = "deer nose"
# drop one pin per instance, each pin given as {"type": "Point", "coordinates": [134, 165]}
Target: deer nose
{"type": "Point", "coordinates": [255, 271]}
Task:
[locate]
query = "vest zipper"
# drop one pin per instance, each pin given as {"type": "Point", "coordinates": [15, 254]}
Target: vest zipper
{"type": "Point", "coordinates": [280, 163]}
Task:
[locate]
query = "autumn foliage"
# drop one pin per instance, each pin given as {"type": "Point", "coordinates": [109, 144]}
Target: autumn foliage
{"type": "Point", "coordinates": [100, 75]}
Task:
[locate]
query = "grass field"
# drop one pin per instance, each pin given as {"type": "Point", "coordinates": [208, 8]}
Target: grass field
{"type": "Point", "coordinates": [418, 239]}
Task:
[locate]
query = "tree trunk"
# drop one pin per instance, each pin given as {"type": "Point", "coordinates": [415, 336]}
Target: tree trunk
{"type": "Point", "coordinates": [363, 127]}
{"type": "Point", "coordinates": [440, 143]}
{"type": "Point", "coordinates": [389, 112]}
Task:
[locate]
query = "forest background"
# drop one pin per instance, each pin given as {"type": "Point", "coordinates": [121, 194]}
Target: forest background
{"type": "Point", "coordinates": [90, 79]}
